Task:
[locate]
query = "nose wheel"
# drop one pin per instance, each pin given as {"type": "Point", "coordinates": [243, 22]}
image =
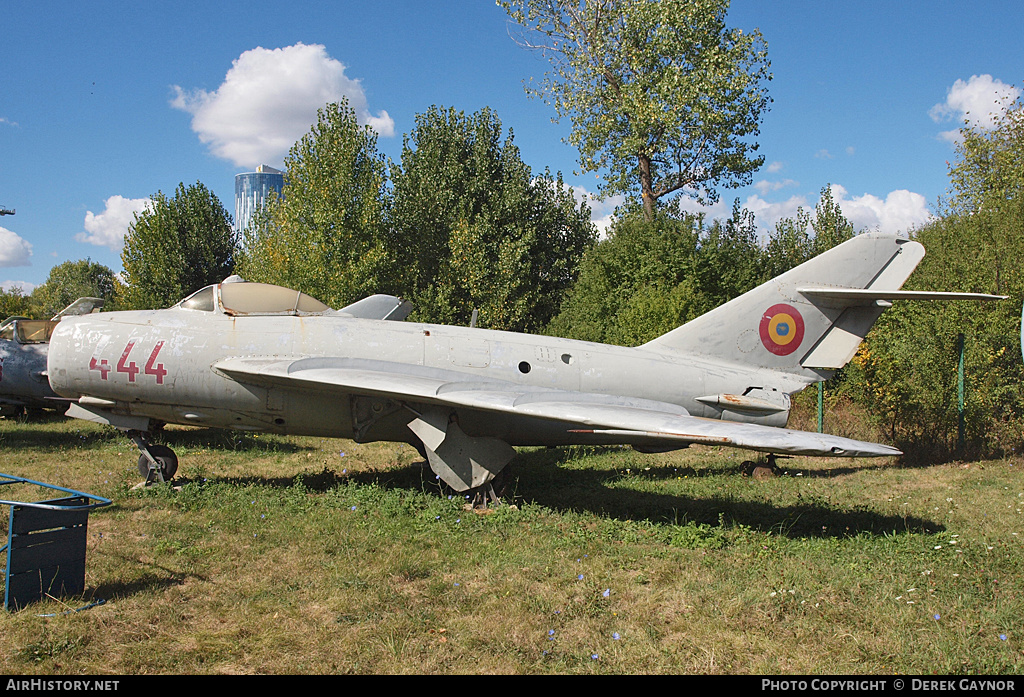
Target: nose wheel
{"type": "Point", "coordinates": [157, 463]}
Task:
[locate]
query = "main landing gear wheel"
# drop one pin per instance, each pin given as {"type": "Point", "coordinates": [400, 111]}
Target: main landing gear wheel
{"type": "Point", "coordinates": [761, 469]}
{"type": "Point", "coordinates": [166, 460]}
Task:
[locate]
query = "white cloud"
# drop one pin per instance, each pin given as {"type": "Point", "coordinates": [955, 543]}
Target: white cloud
{"type": "Point", "coordinates": [14, 250]}
{"type": "Point", "coordinates": [774, 167]}
{"type": "Point", "coordinates": [900, 211]}
{"type": "Point", "coordinates": [764, 186]}
{"type": "Point", "coordinates": [107, 229]}
{"type": "Point", "coordinates": [715, 210]}
{"type": "Point", "coordinates": [269, 99]}
{"type": "Point", "coordinates": [25, 287]}
{"type": "Point", "coordinates": [601, 210]}
{"type": "Point", "coordinates": [979, 102]}
{"type": "Point", "coordinates": [768, 213]}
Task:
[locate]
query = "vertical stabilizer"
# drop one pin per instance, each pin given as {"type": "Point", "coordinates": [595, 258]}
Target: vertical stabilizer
{"type": "Point", "coordinates": [792, 323]}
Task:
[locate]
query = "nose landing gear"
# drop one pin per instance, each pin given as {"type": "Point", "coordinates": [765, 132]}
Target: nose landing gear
{"type": "Point", "coordinates": [157, 463]}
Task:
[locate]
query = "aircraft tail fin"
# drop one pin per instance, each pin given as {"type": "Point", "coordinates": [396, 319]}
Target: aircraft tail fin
{"type": "Point", "coordinates": [810, 320]}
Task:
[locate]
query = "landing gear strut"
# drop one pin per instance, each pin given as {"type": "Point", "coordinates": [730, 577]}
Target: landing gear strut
{"type": "Point", "coordinates": [157, 463]}
{"type": "Point", "coordinates": [481, 497]}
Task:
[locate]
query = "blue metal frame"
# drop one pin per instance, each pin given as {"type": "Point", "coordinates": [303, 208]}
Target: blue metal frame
{"type": "Point", "coordinates": [75, 502]}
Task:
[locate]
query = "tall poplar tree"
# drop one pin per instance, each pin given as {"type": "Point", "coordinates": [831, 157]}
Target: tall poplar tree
{"type": "Point", "coordinates": [663, 97]}
{"type": "Point", "coordinates": [325, 234]}
{"type": "Point", "coordinates": [176, 246]}
{"type": "Point", "coordinates": [474, 229]}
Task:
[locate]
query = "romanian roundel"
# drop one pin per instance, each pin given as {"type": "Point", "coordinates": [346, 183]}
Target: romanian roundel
{"type": "Point", "coordinates": [782, 329]}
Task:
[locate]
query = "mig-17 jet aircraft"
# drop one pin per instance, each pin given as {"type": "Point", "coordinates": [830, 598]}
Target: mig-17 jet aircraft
{"type": "Point", "coordinates": [23, 347]}
{"type": "Point", "coordinates": [260, 357]}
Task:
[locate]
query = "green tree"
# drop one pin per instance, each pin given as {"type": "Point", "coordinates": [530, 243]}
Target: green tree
{"type": "Point", "coordinates": [989, 170]}
{"type": "Point", "coordinates": [792, 243]}
{"type": "Point", "coordinates": [637, 283]}
{"type": "Point", "coordinates": [473, 228]}
{"type": "Point", "coordinates": [663, 97]}
{"type": "Point", "coordinates": [909, 363]}
{"type": "Point", "coordinates": [14, 303]}
{"type": "Point", "coordinates": [730, 261]}
{"type": "Point", "coordinates": [175, 247]}
{"type": "Point", "coordinates": [72, 280]}
{"type": "Point", "coordinates": [789, 244]}
{"type": "Point", "coordinates": [325, 235]}
{"type": "Point", "coordinates": [830, 226]}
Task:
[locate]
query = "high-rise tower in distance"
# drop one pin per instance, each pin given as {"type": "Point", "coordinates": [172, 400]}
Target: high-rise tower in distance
{"type": "Point", "coordinates": [251, 192]}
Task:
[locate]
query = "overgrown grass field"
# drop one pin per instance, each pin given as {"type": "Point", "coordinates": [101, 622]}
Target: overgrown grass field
{"type": "Point", "coordinates": [299, 555]}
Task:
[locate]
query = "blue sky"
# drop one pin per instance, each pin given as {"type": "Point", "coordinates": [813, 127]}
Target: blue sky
{"type": "Point", "coordinates": [102, 104]}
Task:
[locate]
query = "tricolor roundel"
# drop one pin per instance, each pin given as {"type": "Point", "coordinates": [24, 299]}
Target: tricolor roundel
{"type": "Point", "coordinates": [782, 329]}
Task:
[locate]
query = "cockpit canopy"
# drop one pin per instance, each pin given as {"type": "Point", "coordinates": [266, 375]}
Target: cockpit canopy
{"type": "Point", "coordinates": [27, 331]}
{"type": "Point", "coordinates": [253, 299]}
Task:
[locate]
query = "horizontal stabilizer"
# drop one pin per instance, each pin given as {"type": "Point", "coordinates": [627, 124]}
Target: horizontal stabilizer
{"type": "Point", "coordinates": [859, 308]}
{"type": "Point", "coordinates": [868, 296]}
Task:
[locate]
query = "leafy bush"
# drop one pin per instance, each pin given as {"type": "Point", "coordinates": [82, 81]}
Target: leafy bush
{"type": "Point", "coordinates": [908, 368]}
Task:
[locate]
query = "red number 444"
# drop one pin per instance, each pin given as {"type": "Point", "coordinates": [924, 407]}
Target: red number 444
{"type": "Point", "coordinates": [130, 368]}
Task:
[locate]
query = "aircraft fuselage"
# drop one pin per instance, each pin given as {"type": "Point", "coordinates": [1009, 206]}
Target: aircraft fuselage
{"type": "Point", "coordinates": [23, 376]}
{"type": "Point", "coordinates": [158, 364]}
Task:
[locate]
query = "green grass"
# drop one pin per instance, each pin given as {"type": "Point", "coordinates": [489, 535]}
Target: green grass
{"type": "Point", "coordinates": [281, 555]}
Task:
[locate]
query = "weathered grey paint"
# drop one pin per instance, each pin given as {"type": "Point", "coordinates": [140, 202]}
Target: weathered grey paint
{"type": "Point", "coordinates": [23, 380]}
{"type": "Point", "coordinates": [23, 358]}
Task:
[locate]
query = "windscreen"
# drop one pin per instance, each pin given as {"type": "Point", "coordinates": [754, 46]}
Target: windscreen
{"type": "Point", "coordinates": [200, 300]}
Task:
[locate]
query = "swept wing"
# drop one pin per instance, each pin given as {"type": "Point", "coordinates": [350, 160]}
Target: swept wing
{"type": "Point", "coordinates": [638, 421]}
